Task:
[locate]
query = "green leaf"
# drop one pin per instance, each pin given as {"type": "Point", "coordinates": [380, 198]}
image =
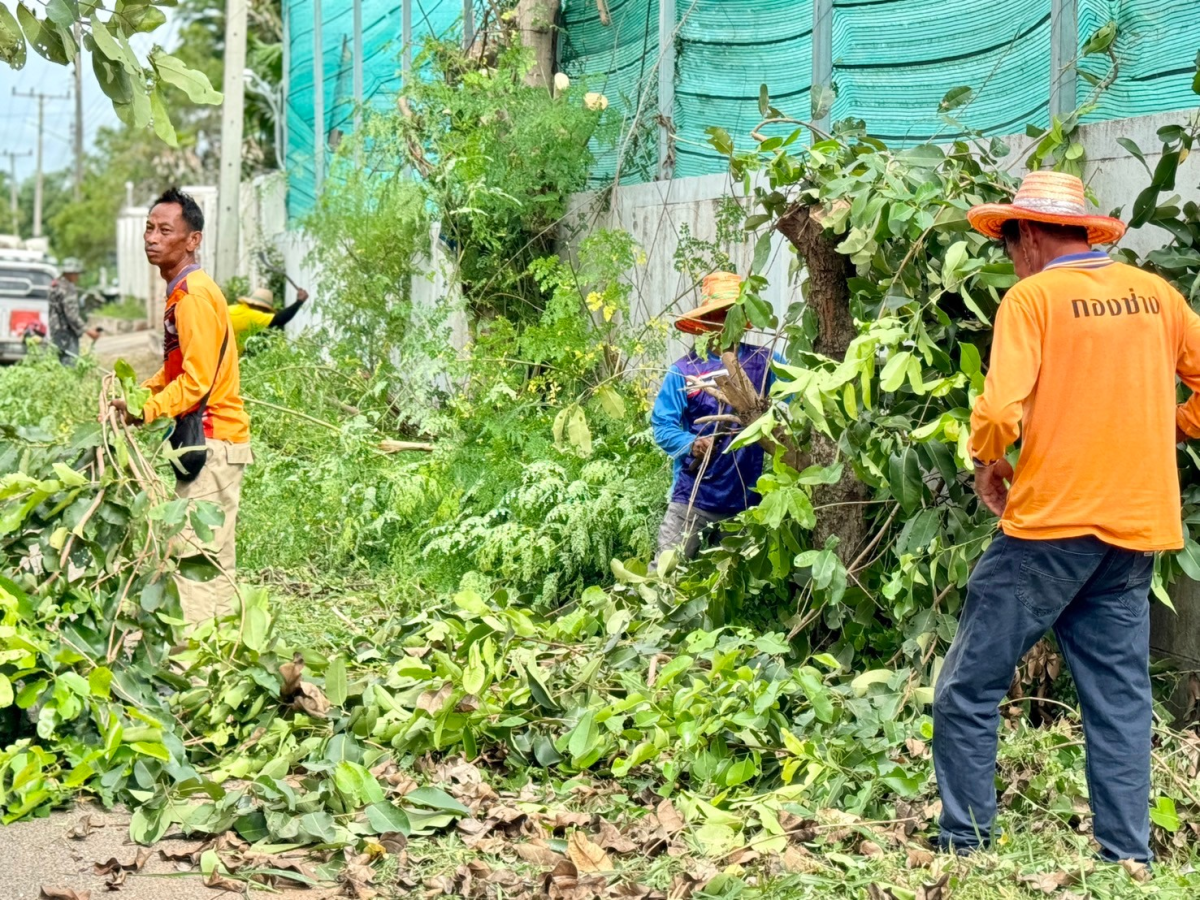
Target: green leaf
{"type": "Point", "coordinates": [386, 818]}
{"type": "Point", "coordinates": [44, 38]}
{"type": "Point", "coordinates": [583, 736]}
{"type": "Point", "coordinates": [162, 119]}
{"type": "Point", "coordinates": [112, 77]}
{"type": "Point", "coordinates": [1164, 815]}
{"type": "Point", "coordinates": [720, 140]}
{"type": "Point", "coordinates": [176, 73]}
{"type": "Point", "coordinates": [956, 97]}
{"type": "Point", "coordinates": [64, 13]}
{"type": "Point", "coordinates": [894, 371]}
{"type": "Point", "coordinates": [147, 826]}
{"type": "Point", "coordinates": [1164, 172]}
{"type": "Point", "coordinates": [863, 682]}
{"type": "Point", "coordinates": [1102, 38]}
{"type": "Point", "coordinates": [762, 252]}
{"type": "Point", "coordinates": [611, 402]}
{"type": "Point", "coordinates": [1134, 150]}
{"type": "Point", "coordinates": [822, 97]}
{"type": "Point", "coordinates": [335, 682]}
{"type": "Point", "coordinates": [764, 101]}
{"type": "Point", "coordinates": [319, 826]}
{"type": "Point", "coordinates": [818, 695]}
{"type": "Point", "coordinates": [6, 692]}
{"type": "Point", "coordinates": [12, 41]}
{"type": "Point", "coordinates": [1189, 558]}
{"type": "Point", "coordinates": [436, 798]}
{"type": "Point", "coordinates": [904, 478]}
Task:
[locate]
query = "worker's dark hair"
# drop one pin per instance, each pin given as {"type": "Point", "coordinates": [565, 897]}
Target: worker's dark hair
{"type": "Point", "coordinates": [1010, 231]}
{"type": "Point", "coordinates": [192, 213]}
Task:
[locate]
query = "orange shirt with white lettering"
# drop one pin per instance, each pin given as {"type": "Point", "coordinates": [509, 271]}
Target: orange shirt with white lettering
{"type": "Point", "coordinates": [1083, 370]}
{"type": "Point", "coordinates": [195, 321]}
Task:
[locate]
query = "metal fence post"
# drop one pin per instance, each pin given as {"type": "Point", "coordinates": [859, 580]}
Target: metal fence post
{"type": "Point", "coordinates": [358, 66]}
{"type": "Point", "coordinates": [822, 53]}
{"type": "Point", "coordinates": [318, 100]}
{"type": "Point", "coordinates": [406, 38]}
{"type": "Point", "coordinates": [1064, 50]}
{"type": "Point", "coordinates": [666, 89]}
{"type": "Point", "coordinates": [468, 23]}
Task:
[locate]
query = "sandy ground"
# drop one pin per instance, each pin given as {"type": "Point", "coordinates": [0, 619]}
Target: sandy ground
{"type": "Point", "coordinates": [39, 852]}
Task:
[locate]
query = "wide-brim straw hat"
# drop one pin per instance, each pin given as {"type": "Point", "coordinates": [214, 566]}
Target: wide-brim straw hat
{"type": "Point", "coordinates": [260, 298]}
{"type": "Point", "coordinates": [1053, 198]}
{"type": "Point", "coordinates": [718, 292]}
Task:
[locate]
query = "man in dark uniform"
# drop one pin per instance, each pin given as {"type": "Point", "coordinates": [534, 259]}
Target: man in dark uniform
{"type": "Point", "coordinates": [66, 319]}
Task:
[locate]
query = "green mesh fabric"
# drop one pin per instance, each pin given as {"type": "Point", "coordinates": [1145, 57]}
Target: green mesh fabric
{"type": "Point", "coordinates": [382, 45]}
{"type": "Point", "coordinates": [1156, 44]}
{"type": "Point", "coordinates": [620, 61]}
{"type": "Point", "coordinates": [893, 61]}
{"type": "Point", "coordinates": [727, 49]}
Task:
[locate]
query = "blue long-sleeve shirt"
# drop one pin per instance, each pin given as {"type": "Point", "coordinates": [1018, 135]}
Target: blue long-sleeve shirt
{"type": "Point", "coordinates": [729, 478]}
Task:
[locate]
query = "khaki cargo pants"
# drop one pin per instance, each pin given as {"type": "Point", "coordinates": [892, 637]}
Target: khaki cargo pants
{"type": "Point", "coordinates": [219, 482]}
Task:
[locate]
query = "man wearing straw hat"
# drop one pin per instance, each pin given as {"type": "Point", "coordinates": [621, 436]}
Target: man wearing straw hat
{"type": "Point", "coordinates": [1083, 371]}
{"type": "Point", "coordinates": [252, 314]}
{"type": "Point", "coordinates": [710, 482]}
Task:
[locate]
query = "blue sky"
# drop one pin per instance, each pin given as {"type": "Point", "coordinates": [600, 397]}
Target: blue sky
{"type": "Point", "coordinates": [18, 115]}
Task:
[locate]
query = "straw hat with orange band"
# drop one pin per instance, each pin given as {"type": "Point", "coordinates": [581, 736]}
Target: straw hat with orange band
{"type": "Point", "coordinates": [1052, 198]}
{"type": "Point", "coordinates": [718, 292]}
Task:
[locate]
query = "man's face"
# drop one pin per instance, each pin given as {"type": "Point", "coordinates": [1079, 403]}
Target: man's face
{"type": "Point", "coordinates": [168, 239]}
{"type": "Point", "coordinates": [1023, 252]}
{"type": "Point", "coordinates": [72, 277]}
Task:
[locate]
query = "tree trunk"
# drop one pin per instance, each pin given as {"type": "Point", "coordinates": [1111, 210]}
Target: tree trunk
{"type": "Point", "coordinates": [536, 22]}
{"type": "Point", "coordinates": [829, 298]}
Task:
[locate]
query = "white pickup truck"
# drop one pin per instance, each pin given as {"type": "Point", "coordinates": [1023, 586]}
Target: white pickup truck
{"type": "Point", "coordinates": [25, 279]}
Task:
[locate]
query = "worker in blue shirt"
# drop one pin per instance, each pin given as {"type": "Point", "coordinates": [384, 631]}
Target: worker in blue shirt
{"type": "Point", "coordinates": [711, 483]}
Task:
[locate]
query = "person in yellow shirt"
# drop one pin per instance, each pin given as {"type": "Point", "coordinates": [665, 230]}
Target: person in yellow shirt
{"type": "Point", "coordinates": [1083, 371]}
{"type": "Point", "coordinates": [199, 374]}
{"type": "Point", "coordinates": [252, 314]}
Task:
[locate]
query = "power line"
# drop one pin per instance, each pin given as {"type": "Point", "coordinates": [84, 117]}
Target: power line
{"type": "Point", "coordinates": [12, 168]}
{"type": "Point", "coordinates": [41, 98]}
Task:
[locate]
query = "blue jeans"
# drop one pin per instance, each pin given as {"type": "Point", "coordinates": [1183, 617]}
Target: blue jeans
{"type": "Point", "coordinates": [1097, 599]}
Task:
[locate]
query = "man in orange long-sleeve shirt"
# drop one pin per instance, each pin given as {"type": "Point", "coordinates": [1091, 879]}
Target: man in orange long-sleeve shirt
{"type": "Point", "coordinates": [199, 358]}
{"type": "Point", "coordinates": [1083, 371]}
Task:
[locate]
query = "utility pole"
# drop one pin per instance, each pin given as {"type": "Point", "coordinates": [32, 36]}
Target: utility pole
{"type": "Point", "coordinates": [229, 194]}
{"type": "Point", "coordinates": [37, 185]}
{"type": "Point", "coordinates": [12, 184]}
{"type": "Point", "coordinates": [78, 113]}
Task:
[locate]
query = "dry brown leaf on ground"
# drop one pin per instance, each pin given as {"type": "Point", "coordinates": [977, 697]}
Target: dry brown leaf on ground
{"type": "Point", "coordinates": [221, 882]}
{"type": "Point", "coordinates": [627, 891]}
{"type": "Point", "coordinates": [539, 853]}
{"type": "Point", "coordinates": [357, 875]}
{"type": "Point", "coordinates": [134, 865]}
{"type": "Point", "coordinates": [610, 838]}
{"type": "Point", "coordinates": [566, 882]}
{"type": "Point", "coordinates": [116, 880]}
{"type": "Point", "coordinates": [85, 826]}
{"type": "Point", "coordinates": [917, 749]}
{"type": "Point", "coordinates": [742, 856]}
{"type": "Point", "coordinates": [919, 858]}
{"type": "Point", "coordinates": [936, 890]}
{"type": "Point", "coordinates": [683, 886]}
{"type": "Point", "coordinates": [799, 861]}
{"type": "Point", "coordinates": [588, 857]}
{"type": "Point", "coordinates": [870, 849]}
{"type": "Point", "coordinates": [798, 830]}
{"type": "Point", "coordinates": [302, 695]}
{"type": "Point", "coordinates": [57, 893]}
{"type": "Point", "coordinates": [669, 818]}
{"type": "Point", "coordinates": [434, 701]}
{"type": "Point", "coordinates": [1048, 882]}
{"type": "Point", "coordinates": [565, 818]}
{"type": "Point", "coordinates": [1139, 872]}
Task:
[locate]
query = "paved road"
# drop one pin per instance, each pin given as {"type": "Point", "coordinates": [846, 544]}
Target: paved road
{"type": "Point", "coordinates": [140, 349]}
{"type": "Point", "coordinates": [38, 852]}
